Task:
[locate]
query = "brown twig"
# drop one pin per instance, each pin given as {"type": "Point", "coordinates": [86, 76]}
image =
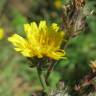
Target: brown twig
{"type": "Point", "coordinates": [85, 82]}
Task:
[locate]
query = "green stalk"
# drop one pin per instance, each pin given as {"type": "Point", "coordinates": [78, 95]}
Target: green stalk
{"type": "Point", "coordinates": [51, 67]}
{"type": "Point", "coordinates": [42, 78]}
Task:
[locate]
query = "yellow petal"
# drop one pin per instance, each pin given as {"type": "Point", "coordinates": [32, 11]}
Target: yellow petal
{"type": "Point", "coordinates": [56, 55]}
{"type": "Point", "coordinates": [42, 25]}
{"type": "Point", "coordinates": [55, 27]}
{"type": "Point", "coordinates": [27, 28]}
{"type": "Point", "coordinates": [34, 28]}
{"type": "Point", "coordinates": [1, 33]}
{"type": "Point", "coordinates": [16, 40]}
{"type": "Point", "coordinates": [21, 45]}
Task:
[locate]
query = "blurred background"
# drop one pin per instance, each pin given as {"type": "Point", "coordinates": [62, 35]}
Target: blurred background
{"type": "Point", "coordinates": [16, 77]}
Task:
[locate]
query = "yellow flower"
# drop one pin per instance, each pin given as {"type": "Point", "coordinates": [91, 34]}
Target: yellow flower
{"type": "Point", "coordinates": [58, 4]}
{"type": "Point", "coordinates": [1, 33]}
{"type": "Point", "coordinates": [41, 41]}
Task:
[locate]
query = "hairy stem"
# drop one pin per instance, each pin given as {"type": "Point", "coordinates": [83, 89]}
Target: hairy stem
{"type": "Point", "coordinates": [41, 78]}
{"type": "Point", "coordinates": [49, 71]}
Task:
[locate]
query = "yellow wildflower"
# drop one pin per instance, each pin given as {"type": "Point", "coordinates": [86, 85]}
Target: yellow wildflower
{"type": "Point", "coordinates": [1, 33]}
{"type": "Point", "coordinates": [41, 41]}
{"type": "Point", "coordinates": [58, 4]}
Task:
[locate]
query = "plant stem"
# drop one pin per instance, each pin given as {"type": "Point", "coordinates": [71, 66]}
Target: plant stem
{"type": "Point", "coordinates": [49, 71]}
{"type": "Point", "coordinates": [41, 78]}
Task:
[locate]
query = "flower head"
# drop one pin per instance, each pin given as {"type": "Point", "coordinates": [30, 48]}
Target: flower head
{"type": "Point", "coordinates": [58, 4]}
{"type": "Point", "coordinates": [41, 40]}
{"type": "Point", "coordinates": [1, 33]}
